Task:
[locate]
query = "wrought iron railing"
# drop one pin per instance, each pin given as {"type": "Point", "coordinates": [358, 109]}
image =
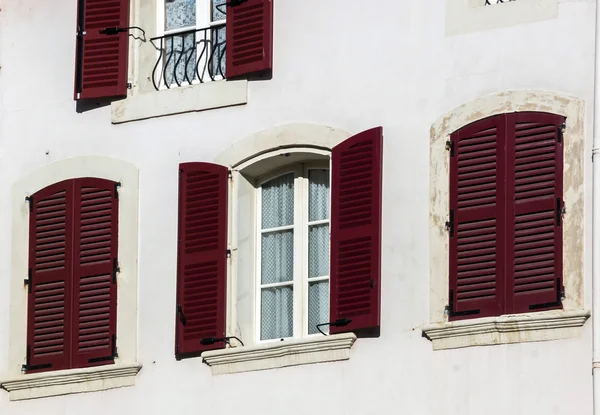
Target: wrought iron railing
{"type": "Point", "coordinates": [190, 56]}
{"type": "Point", "coordinates": [491, 2]}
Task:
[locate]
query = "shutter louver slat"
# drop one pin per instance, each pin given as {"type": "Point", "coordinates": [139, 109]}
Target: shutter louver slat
{"type": "Point", "coordinates": [249, 38]}
{"type": "Point", "coordinates": [202, 253]}
{"type": "Point", "coordinates": [534, 186]}
{"type": "Point", "coordinates": [356, 232]}
{"type": "Point", "coordinates": [102, 59]}
{"type": "Point", "coordinates": [95, 243]}
{"type": "Point", "coordinates": [476, 199]}
{"type": "Point", "coordinates": [49, 312]}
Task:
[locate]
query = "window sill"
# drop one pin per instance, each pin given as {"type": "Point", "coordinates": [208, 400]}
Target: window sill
{"type": "Point", "coordinates": [551, 325]}
{"type": "Point", "coordinates": [190, 98]}
{"type": "Point", "coordinates": [39, 385]}
{"type": "Point", "coordinates": [281, 354]}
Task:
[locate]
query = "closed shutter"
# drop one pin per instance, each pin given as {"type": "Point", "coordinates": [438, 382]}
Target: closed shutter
{"type": "Point", "coordinates": [101, 58]}
{"type": "Point", "coordinates": [49, 305]}
{"type": "Point", "coordinates": [356, 232]}
{"type": "Point", "coordinates": [202, 256]}
{"type": "Point", "coordinates": [95, 236]}
{"type": "Point", "coordinates": [249, 37]}
{"type": "Point", "coordinates": [476, 225]}
{"type": "Point", "coordinates": [535, 192]}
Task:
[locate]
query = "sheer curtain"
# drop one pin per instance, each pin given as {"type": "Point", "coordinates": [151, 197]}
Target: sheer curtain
{"type": "Point", "coordinates": [277, 259]}
{"type": "Point", "coordinates": [318, 248]}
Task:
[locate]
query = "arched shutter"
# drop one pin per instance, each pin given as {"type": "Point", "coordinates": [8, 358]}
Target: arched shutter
{"type": "Point", "coordinates": [249, 37]}
{"type": "Point", "coordinates": [476, 220]}
{"type": "Point", "coordinates": [102, 55]}
{"type": "Point", "coordinates": [535, 202]}
{"type": "Point", "coordinates": [202, 256]}
{"type": "Point", "coordinates": [49, 299]}
{"type": "Point", "coordinates": [356, 232]}
{"type": "Point", "coordinates": [95, 247]}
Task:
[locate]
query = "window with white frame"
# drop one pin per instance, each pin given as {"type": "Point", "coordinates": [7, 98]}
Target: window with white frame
{"type": "Point", "coordinates": [193, 46]}
{"type": "Point", "coordinates": [293, 252]}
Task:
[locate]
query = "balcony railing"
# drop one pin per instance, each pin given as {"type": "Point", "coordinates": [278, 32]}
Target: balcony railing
{"type": "Point", "coordinates": [189, 57]}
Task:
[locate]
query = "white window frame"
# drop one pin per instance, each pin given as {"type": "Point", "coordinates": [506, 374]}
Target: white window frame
{"type": "Point", "coordinates": [203, 20]}
{"type": "Point", "coordinates": [300, 226]}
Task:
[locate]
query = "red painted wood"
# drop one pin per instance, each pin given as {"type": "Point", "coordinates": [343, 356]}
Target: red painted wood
{"type": "Point", "coordinates": [249, 38]}
{"type": "Point", "coordinates": [95, 248]}
{"type": "Point", "coordinates": [202, 256]}
{"type": "Point", "coordinates": [104, 58]}
{"type": "Point", "coordinates": [477, 254]}
{"type": "Point", "coordinates": [48, 303]}
{"type": "Point", "coordinates": [356, 231]}
{"type": "Point", "coordinates": [534, 182]}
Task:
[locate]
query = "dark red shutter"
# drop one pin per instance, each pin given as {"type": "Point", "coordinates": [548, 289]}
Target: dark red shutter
{"type": "Point", "coordinates": [476, 220]}
{"type": "Point", "coordinates": [202, 256]}
{"type": "Point", "coordinates": [95, 239]}
{"type": "Point", "coordinates": [49, 311]}
{"type": "Point", "coordinates": [101, 58]}
{"type": "Point", "coordinates": [534, 193]}
{"type": "Point", "coordinates": [249, 38]}
{"type": "Point", "coordinates": [356, 232]}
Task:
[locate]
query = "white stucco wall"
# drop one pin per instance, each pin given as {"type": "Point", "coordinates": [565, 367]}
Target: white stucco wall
{"type": "Point", "coordinates": [342, 63]}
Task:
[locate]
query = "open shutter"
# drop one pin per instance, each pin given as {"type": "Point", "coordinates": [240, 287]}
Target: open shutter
{"type": "Point", "coordinates": [476, 220]}
{"type": "Point", "coordinates": [95, 238]}
{"type": "Point", "coordinates": [356, 232]}
{"type": "Point", "coordinates": [535, 202]}
{"type": "Point", "coordinates": [202, 256]}
{"type": "Point", "coordinates": [49, 302]}
{"type": "Point", "coordinates": [249, 37]}
{"type": "Point", "coordinates": [101, 58]}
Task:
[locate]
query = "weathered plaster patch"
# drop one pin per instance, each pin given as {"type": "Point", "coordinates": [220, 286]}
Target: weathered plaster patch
{"type": "Point", "coordinates": [573, 226]}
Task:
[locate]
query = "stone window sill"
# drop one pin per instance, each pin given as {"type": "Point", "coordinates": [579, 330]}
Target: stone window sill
{"type": "Point", "coordinates": [551, 325]}
{"type": "Point", "coordinates": [280, 354]}
{"type": "Point", "coordinates": [65, 382]}
{"type": "Point", "coordinates": [190, 98]}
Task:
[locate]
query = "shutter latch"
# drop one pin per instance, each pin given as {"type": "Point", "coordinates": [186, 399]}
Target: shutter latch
{"type": "Point", "coordinates": [560, 211]}
{"type": "Point", "coordinates": [29, 280]}
{"type": "Point", "coordinates": [449, 311]}
{"type": "Point", "coordinates": [450, 223]}
{"type": "Point", "coordinates": [115, 270]}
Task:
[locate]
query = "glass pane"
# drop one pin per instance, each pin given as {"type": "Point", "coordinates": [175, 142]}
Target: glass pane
{"type": "Point", "coordinates": [180, 59]}
{"type": "Point", "coordinates": [318, 199]}
{"type": "Point", "coordinates": [318, 251]}
{"type": "Point", "coordinates": [218, 52]}
{"type": "Point", "coordinates": [277, 313]}
{"type": "Point", "coordinates": [278, 202]}
{"type": "Point", "coordinates": [318, 306]}
{"type": "Point", "coordinates": [218, 7]}
{"type": "Point", "coordinates": [180, 14]}
{"type": "Point", "coordinates": [277, 257]}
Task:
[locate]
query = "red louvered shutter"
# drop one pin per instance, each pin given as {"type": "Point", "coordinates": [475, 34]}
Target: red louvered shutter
{"type": "Point", "coordinates": [101, 58]}
{"type": "Point", "coordinates": [249, 38]}
{"type": "Point", "coordinates": [202, 256]}
{"type": "Point", "coordinates": [476, 226]}
{"type": "Point", "coordinates": [49, 310]}
{"type": "Point", "coordinates": [356, 232]}
{"type": "Point", "coordinates": [534, 195]}
{"type": "Point", "coordinates": [95, 239]}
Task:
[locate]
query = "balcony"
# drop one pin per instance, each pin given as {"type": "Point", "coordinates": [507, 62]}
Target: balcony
{"type": "Point", "coordinates": [189, 57]}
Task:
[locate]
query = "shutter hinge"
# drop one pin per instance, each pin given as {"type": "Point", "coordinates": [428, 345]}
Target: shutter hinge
{"type": "Point", "coordinates": [561, 129]}
{"type": "Point", "coordinates": [449, 310]}
{"type": "Point", "coordinates": [182, 318]}
{"type": "Point", "coordinates": [229, 174]}
{"type": "Point", "coordinates": [29, 280]}
{"type": "Point", "coordinates": [115, 270]}
{"type": "Point", "coordinates": [450, 223]}
{"type": "Point", "coordinates": [113, 351]}
{"type": "Point", "coordinates": [117, 185]}
{"type": "Point", "coordinates": [560, 211]}
{"type": "Point", "coordinates": [560, 295]}
{"type": "Point", "coordinates": [26, 367]}
{"type": "Point", "coordinates": [450, 147]}
{"type": "Point", "coordinates": [29, 199]}
{"type": "Point", "coordinates": [228, 252]}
